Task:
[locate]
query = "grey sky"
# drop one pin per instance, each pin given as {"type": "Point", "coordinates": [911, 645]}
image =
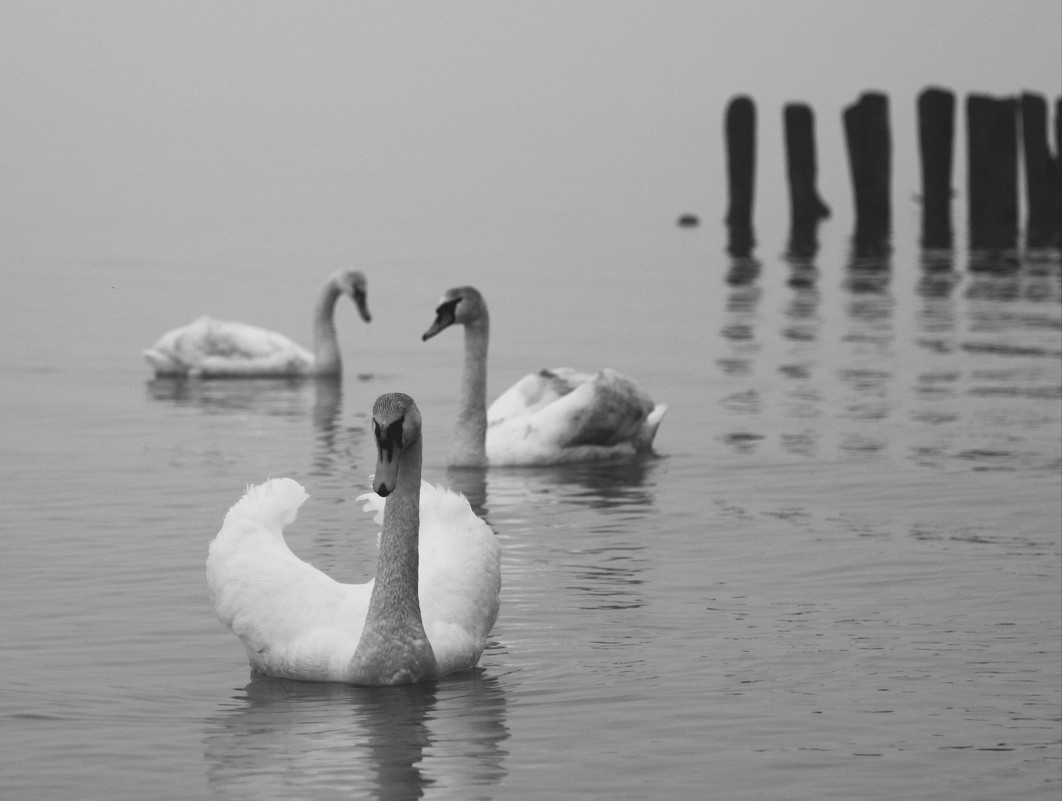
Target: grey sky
{"type": "Point", "coordinates": [198, 107]}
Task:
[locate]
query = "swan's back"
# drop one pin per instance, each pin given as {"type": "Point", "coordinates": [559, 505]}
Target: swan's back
{"type": "Point", "coordinates": [460, 576]}
{"type": "Point", "coordinates": [220, 348]}
{"type": "Point", "coordinates": [563, 415]}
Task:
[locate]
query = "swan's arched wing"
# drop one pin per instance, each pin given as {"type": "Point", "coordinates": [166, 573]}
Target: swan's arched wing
{"type": "Point", "coordinates": [607, 409]}
{"type": "Point", "coordinates": [460, 578]}
{"type": "Point", "coordinates": [292, 618]}
{"type": "Point", "coordinates": [534, 392]}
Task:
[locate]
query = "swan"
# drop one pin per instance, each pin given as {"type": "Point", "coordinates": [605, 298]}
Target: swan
{"type": "Point", "coordinates": [208, 348]}
{"type": "Point", "coordinates": [426, 613]}
{"type": "Point", "coordinates": [549, 417]}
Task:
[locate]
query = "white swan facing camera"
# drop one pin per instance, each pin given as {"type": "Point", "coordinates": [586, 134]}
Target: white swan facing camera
{"type": "Point", "coordinates": [427, 612]}
{"type": "Point", "coordinates": [209, 348]}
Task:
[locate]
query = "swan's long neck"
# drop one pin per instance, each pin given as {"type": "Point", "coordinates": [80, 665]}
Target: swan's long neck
{"type": "Point", "coordinates": [394, 648]}
{"type": "Point", "coordinates": [468, 446]}
{"type": "Point", "coordinates": [397, 571]}
{"type": "Point", "coordinates": [325, 342]}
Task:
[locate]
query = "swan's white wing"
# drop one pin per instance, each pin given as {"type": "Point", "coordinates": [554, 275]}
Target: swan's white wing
{"type": "Point", "coordinates": [292, 619]}
{"type": "Point", "coordinates": [223, 348]}
{"type": "Point", "coordinates": [460, 575]}
{"type": "Point", "coordinates": [571, 416]}
{"type": "Point", "coordinates": [533, 392]}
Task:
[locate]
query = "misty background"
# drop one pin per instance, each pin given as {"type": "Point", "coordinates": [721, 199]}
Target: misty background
{"type": "Point", "coordinates": [331, 130]}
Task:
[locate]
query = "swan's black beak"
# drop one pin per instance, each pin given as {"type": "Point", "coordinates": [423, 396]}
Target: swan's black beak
{"type": "Point", "coordinates": [388, 455]}
{"type": "Point", "coordinates": [444, 318]}
{"type": "Point", "coordinates": [362, 302]}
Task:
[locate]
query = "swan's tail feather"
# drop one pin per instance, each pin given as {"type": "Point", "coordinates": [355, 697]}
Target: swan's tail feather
{"type": "Point", "coordinates": [274, 503]}
{"type": "Point", "coordinates": [162, 363]}
{"type": "Point", "coordinates": [651, 424]}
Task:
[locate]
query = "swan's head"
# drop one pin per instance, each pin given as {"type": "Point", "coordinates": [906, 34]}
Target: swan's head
{"type": "Point", "coordinates": [396, 427]}
{"type": "Point", "coordinates": [461, 305]}
{"type": "Point", "coordinates": [353, 284]}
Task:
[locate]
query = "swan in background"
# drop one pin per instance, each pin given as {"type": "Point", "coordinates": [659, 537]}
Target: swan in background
{"type": "Point", "coordinates": [427, 612]}
{"type": "Point", "coordinates": [208, 348]}
{"type": "Point", "coordinates": [549, 417]}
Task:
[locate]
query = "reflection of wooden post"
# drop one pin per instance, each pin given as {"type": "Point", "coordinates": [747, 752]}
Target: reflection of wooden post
{"type": "Point", "coordinates": [993, 171]}
{"type": "Point", "coordinates": [866, 125]}
{"type": "Point", "coordinates": [741, 168]}
{"type": "Point", "coordinates": [806, 207]}
{"type": "Point", "coordinates": [1041, 221]}
{"type": "Point", "coordinates": [936, 131]}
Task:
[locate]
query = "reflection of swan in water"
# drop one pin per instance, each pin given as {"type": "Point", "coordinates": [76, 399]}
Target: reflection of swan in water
{"type": "Point", "coordinates": [338, 452]}
{"type": "Point", "coordinates": [327, 402]}
{"type": "Point", "coordinates": [596, 485]}
{"type": "Point", "coordinates": [327, 409]}
{"type": "Point", "coordinates": [281, 738]}
{"type": "Point", "coordinates": [208, 348]}
{"type": "Point", "coordinates": [320, 399]}
{"type": "Point", "coordinates": [281, 397]}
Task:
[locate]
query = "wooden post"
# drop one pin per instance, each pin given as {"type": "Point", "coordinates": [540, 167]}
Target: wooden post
{"type": "Point", "coordinates": [936, 132]}
{"type": "Point", "coordinates": [1041, 219]}
{"type": "Point", "coordinates": [1058, 160]}
{"type": "Point", "coordinates": [991, 125]}
{"type": "Point", "coordinates": [866, 124]}
{"type": "Point", "coordinates": [741, 169]}
{"type": "Point", "coordinates": [807, 208]}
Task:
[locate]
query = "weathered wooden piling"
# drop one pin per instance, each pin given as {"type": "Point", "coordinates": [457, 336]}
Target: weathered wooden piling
{"type": "Point", "coordinates": [992, 150]}
{"type": "Point", "coordinates": [936, 133]}
{"type": "Point", "coordinates": [741, 171]}
{"type": "Point", "coordinates": [1041, 215]}
{"type": "Point", "coordinates": [866, 125]}
{"type": "Point", "coordinates": [807, 208]}
{"type": "Point", "coordinates": [1058, 162]}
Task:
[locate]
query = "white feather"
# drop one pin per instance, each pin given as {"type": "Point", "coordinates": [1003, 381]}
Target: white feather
{"type": "Point", "coordinates": [296, 622]}
{"type": "Point", "coordinates": [563, 415]}
{"type": "Point", "coordinates": [209, 348]}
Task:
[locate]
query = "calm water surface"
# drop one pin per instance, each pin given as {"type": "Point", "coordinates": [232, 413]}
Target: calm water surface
{"type": "Point", "coordinates": [840, 579]}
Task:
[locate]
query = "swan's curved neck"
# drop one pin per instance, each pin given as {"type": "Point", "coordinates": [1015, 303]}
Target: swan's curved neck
{"type": "Point", "coordinates": [325, 342]}
{"type": "Point", "coordinates": [468, 446]}
{"type": "Point", "coordinates": [393, 648]}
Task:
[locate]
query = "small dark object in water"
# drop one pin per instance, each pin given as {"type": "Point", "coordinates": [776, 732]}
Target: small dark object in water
{"type": "Point", "coordinates": [689, 221]}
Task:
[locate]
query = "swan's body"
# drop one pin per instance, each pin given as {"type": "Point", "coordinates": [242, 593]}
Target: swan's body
{"type": "Point", "coordinates": [427, 612]}
{"type": "Point", "coordinates": [549, 417]}
{"type": "Point", "coordinates": [208, 348]}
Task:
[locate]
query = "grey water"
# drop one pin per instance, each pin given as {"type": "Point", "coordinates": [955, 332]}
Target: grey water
{"type": "Point", "coordinates": [840, 577]}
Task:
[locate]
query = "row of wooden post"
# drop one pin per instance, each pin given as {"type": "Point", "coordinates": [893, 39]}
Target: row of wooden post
{"type": "Point", "coordinates": [992, 130]}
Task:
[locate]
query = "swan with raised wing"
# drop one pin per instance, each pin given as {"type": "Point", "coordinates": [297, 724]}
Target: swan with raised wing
{"type": "Point", "coordinates": [549, 417]}
{"type": "Point", "coordinates": [209, 348]}
{"type": "Point", "coordinates": [427, 612]}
